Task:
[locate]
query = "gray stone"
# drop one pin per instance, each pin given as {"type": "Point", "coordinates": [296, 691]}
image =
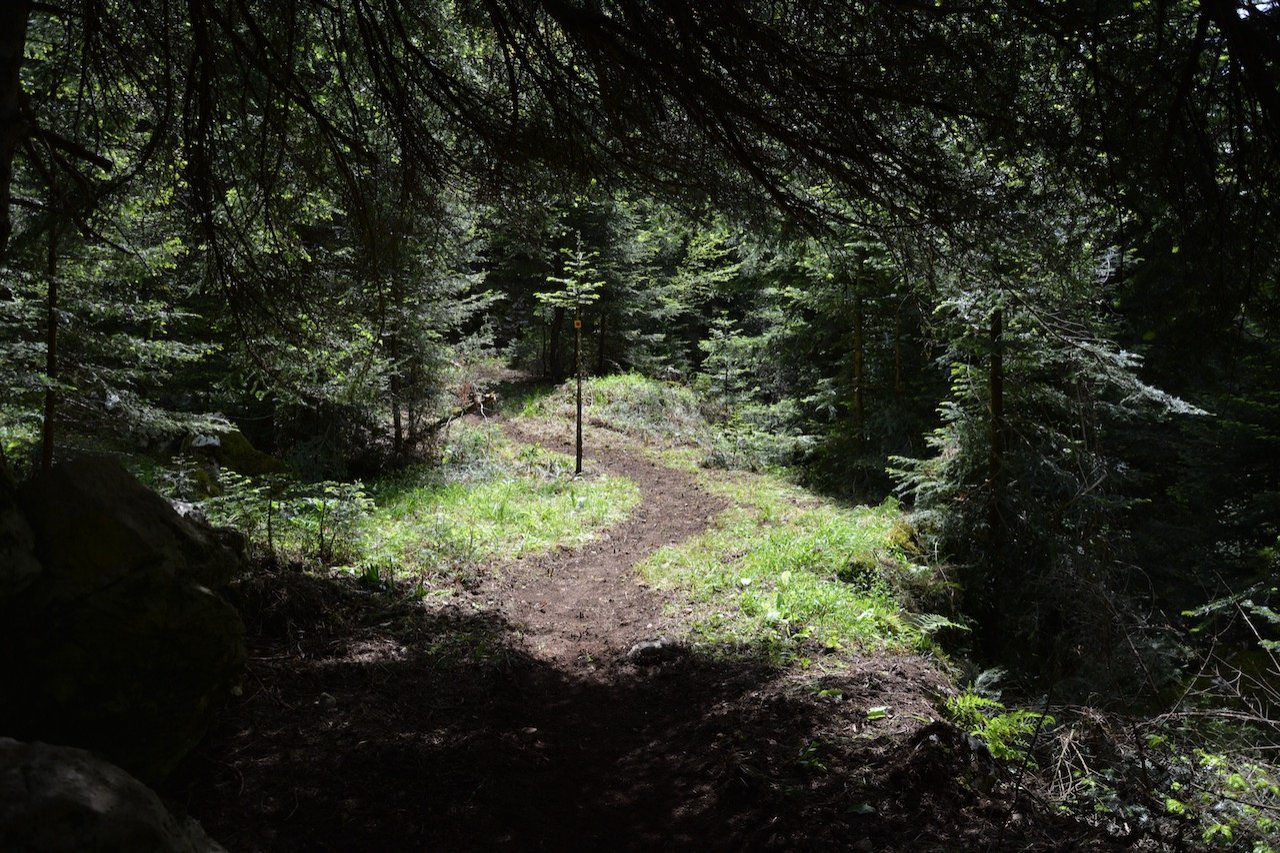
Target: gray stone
{"type": "Point", "coordinates": [57, 799]}
{"type": "Point", "coordinates": [122, 644]}
{"type": "Point", "coordinates": [652, 652]}
{"type": "Point", "coordinates": [231, 449]}
{"type": "Point", "coordinates": [94, 523]}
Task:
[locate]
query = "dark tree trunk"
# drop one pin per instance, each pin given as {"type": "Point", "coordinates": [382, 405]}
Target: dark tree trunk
{"type": "Point", "coordinates": [897, 349]}
{"type": "Point", "coordinates": [600, 347]}
{"type": "Point", "coordinates": [553, 349]}
{"type": "Point", "coordinates": [51, 354]}
{"type": "Point", "coordinates": [397, 425]}
{"type": "Point", "coordinates": [859, 371]}
{"type": "Point", "coordinates": [14, 16]}
{"type": "Point", "coordinates": [996, 458]}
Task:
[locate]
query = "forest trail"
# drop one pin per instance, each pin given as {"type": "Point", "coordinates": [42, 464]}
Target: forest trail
{"type": "Point", "coordinates": [511, 717]}
{"type": "Point", "coordinates": [587, 608]}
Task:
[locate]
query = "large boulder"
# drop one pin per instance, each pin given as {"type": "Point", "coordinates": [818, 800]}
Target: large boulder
{"type": "Point", "coordinates": [56, 799]}
{"type": "Point", "coordinates": [94, 524]}
{"type": "Point", "coordinates": [122, 643]}
{"type": "Point", "coordinates": [18, 565]}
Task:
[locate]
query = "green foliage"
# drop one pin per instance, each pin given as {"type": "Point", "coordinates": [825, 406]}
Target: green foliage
{"type": "Point", "coordinates": [1010, 735]}
{"type": "Point", "coordinates": [649, 409]}
{"type": "Point", "coordinates": [1032, 505]}
{"type": "Point", "coordinates": [758, 437]}
{"type": "Point", "coordinates": [1251, 613]}
{"type": "Point", "coordinates": [490, 500]}
{"type": "Point", "coordinates": [579, 285]}
{"type": "Point", "coordinates": [1169, 789]}
{"type": "Point", "coordinates": [294, 520]}
{"type": "Point", "coordinates": [308, 244]}
{"type": "Point", "coordinates": [772, 574]}
{"type": "Point", "coordinates": [729, 359]}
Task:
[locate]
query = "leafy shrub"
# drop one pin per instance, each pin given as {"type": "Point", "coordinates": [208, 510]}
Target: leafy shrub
{"type": "Point", "coordinates": [758, 438]}
{"type": "Point", "coordinates": [285, 517]}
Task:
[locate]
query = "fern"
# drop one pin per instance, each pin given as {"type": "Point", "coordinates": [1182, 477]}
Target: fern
{"type": "Point", "coordinates": [1008, 734]}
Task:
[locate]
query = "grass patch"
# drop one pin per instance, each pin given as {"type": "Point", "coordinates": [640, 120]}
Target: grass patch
{"type": "Point", "coordinates": [490, 500]}
{"type": "Point", "coordinates": [786, 574]}
{"type": "Point", "coordinates": [648, 409]}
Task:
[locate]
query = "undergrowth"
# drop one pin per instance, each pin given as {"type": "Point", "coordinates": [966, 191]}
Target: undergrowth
{"type": "Point", "coordinates": [787, 575]}
{"type": "Point", "coordinates": [1008, 733]}
{"type": "Point", "coordinates": [487, 499]}
{"type": "Point", "coordinates": [490, 499]}
{"type": "Point", "coordinates": [647, 409]}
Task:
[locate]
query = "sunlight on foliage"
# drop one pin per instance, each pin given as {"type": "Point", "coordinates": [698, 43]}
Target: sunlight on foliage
{"type": "Point", "coordinates": [781, 571]}
{"type": "Point", "coordinates": [649, 409]}
{"type": "Point", "coordinates": [290, 519]}
{"type": "Point", "coordinates": [491, 499]}
{"type": "Point", "coordinates": [1008, 734]}
{"type": "Point", "coordinates": [1161, 781]}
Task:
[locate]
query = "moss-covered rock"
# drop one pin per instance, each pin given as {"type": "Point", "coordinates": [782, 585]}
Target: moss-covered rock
{"type": "Point", "coordinates": [231, 449]}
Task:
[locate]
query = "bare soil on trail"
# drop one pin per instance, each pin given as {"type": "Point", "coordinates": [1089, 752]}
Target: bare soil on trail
{"type": "Point", "coordinates": [582, 610]}
{"type": "Point", "coordinates": [513, 718]}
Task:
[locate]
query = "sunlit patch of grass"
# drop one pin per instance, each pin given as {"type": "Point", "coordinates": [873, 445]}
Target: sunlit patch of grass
{"type": "Point", "coordinates": [786, 574]}
{"type": "Point", "coordinates": [648, 409]}
{"type": "Point", "coordinates": [524, 399]}
{"type": "Point", "coordinates": [491, 499]}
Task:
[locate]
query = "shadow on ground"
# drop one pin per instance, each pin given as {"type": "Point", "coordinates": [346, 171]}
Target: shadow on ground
{"type": "Point", "coordinates": [371, 722]}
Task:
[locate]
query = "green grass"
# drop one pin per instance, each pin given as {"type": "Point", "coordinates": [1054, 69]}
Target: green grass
{"type": "Point", "coordinates": [785, 574]}
{"type": "Point", "coordinates": [490, 500]}
{"type": "Point", "coordinates": [648, 409]}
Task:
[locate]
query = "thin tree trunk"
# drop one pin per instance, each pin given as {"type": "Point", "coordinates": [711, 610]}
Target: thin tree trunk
{"type": "Point", "coordinates": [600, 347]}
{"type": "Point", "coordinates": [996, 458]}
{"type": "Point", "coordinates": [397, 426]}
{"type": "Point", "coordinates": [557, 320]}
{"type": "Point", "coordinates": [51, 353]}
{"type": "Point", "coordinates": [897, 349]}
{"type": "Point", "coordinates": [14, 17]}
{"type": "Point", "coordinates": [396, 387]}
{"type": "Point", "coordinates": [859, 370]}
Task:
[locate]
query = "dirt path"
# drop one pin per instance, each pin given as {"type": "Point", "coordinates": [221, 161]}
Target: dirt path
{"type": "Point", "coordinates": [512, 718]}
{"type": "Point", "coordinates": [587, 608]}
